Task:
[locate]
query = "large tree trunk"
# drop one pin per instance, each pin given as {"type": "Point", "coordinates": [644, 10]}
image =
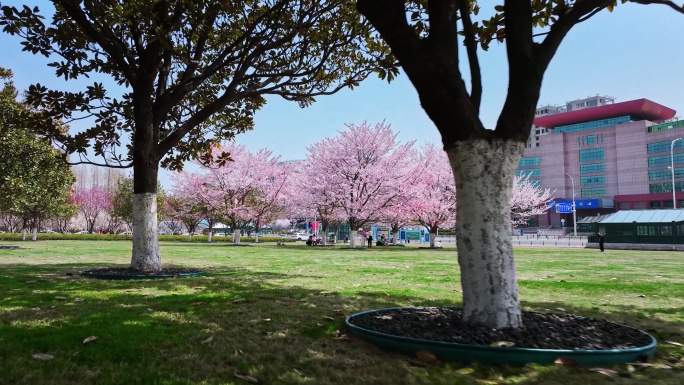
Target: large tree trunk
{"type": "Point", "coordinates": [236, 235]}
{"type": "Point", "coordinates": [145, 255]}
{"type": "Point", "coordinates": [23, 234]}
{"type": "Point", "coordinates": [211, 232]}
{"type": "Point", "coordinates": [352, 239]}
{"type": "Point", "coordinates": [145, 238]}
{"type": "Point", "coordinates": [484, 171]}
{"type": "Point", "coordinates": [395, 235]}
{"type": "Point", "coordinates": [433, 235]}
{"type": "Point", "coordinates": [34, 237]}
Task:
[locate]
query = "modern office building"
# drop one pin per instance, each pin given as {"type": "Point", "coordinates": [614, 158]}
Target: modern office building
{"type": "Point", "coordinates": [613, 156]}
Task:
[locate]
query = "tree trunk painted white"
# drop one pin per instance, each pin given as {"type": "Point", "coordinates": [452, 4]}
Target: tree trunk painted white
{"type": "Point", "coordinates": [352, 239]}
{"type": "Point", "coordinates": [395, 237]}
{"type": "Point", "coordinates": [211, 232]}
{"type": "Point", "coordinates": [256, 237]}
{"type": "Point", "coordinates": [23, 234]}
{"type": "Point", "coordinates": [484, 171]}
{"type": "Point", "coordinates": [236, 234]}
{"type": "Point", "coordinates": [34, 237]}
{"type": "Point", "coordinates": [145, 238]}
{"type": "Point", "coordinates": [432, 239]}
{"type": "Point", "coordinates": [189, 236]}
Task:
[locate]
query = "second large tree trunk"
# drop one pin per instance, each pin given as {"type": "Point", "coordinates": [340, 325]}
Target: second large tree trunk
{"type": "Point", "coordinates": [145, 238]}
{"type": "Point", "coordinates": [145, 255]}
{"type": "Point", "coordinates": [484, 172]}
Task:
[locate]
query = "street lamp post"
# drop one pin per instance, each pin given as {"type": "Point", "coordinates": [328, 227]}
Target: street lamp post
{"type": "Point", "coordinates": [674, 198]}
{"type": "Point", "coordinates": [574, 208]}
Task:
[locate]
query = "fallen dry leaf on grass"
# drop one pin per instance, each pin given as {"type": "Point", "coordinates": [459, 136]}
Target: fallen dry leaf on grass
{"type": "Point", "coordinates": [605, 372]}
{"type": "Point", "coordinates": [426, 356]}
{"type": "Point", "coordinates": [416, 362]}
{"type": "Point", "coordinates": [61, 298]}
{"type": "Point", "coordinates": [89, 340]}
{"type": "Point", "coordinates": [328, 318]}
{"type": "Point", "coordinates": [78, 300]}
{"type": "Point", "coordinates": [246, 378]}
{"type": "Point", "coordinates": [196, 303]}
{"type": "Point", "coordinates": [674, 343]}
{"type": "Point", "coordinates": [238, 300]}
{"type": "Point", "coordinates": [42, 356]}
{"type": "Point", "coordinates": [563, 361]}
{"type": "Point", "coordinates": [209, 339]}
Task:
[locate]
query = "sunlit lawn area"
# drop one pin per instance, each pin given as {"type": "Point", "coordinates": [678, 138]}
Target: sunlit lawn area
{"type": "Point", "coordinates": [276, 313]}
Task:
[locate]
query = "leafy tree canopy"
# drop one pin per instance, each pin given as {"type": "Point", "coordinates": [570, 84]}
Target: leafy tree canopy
{"type": "Point", "coordinates": [34, 178]}
{"type": "Point", "coordinates": [195, 71]}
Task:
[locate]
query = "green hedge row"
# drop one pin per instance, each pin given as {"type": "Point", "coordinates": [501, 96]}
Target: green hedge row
{"type": "Point", "coordinates": [121, 237]}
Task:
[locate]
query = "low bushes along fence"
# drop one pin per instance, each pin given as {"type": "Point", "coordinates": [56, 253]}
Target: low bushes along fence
{"type": "Point", "coordinates": [120, 237]}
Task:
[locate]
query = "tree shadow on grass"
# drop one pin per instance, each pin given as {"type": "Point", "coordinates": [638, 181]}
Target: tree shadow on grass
{"type": "Point", "coordinates": [207, 329]}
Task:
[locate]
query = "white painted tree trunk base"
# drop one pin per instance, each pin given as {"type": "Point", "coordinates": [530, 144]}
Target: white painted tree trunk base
{"type": "Point", "coordinates": [352, 239]}
{"type": "Point", "coordinates": [211, 232]}
{"type": "Point", "coordinates": [395, 238]}
{"type": "Point", "coordinates": [236, 234]}
{"type": "Point", "coordinates": [432, 239]}
{"type": "Point", "coordinates": [484, 172]}
{"type": "Point", "coordinates": [145, 238]}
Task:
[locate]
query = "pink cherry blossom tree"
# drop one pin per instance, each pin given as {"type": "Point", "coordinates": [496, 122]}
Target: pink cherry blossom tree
{"type": "Point", "coordinates": [92, 203]}
{"type": "Point", "coordinates": [398, 213]}
{"type": "Point", "coordinates": [435, 205]}
{"type": "Point", "coordinates": [246, 189]}
{"type": "Point", "coordinates": [271, 189]}
{"type": "Point", "coordinates": [183, 204]}
{"type": "Point", "coordinates": [360, 169]}
{"type": "Point", "coordinates": [528, 199]}
{"type": "Point", "coordinates": [312, 194]}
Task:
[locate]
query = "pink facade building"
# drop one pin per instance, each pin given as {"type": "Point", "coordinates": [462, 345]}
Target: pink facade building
{"type": "Point", "coordinates": [617, 154]}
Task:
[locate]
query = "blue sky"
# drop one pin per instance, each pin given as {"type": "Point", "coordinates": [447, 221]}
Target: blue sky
{"type": "Point", "coordinates": [634, 52]}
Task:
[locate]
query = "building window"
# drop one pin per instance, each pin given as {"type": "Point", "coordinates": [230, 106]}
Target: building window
{"type": "Point", "coordinates": [592, 167]}
{"type": "Point", "coordinates": [665, 160]}
{"type": "Point", "coordinates": [592, 154]}
{"type": "Point", "coordinates": [657, 188]}
{"type": "Point", "coordinates": [596, 179]}
{"type": "Point", "coordinates": [525, 162]}
{"type": "Point", "coordinates": [655, 204]}
{"type": "Point", "coordinates": [593, 192]}
{"type": "Point", "coordinates": [593, 124]}
{"type": "Point", "coordinates": [667, 204]}
{"type": "Point", "coordinates": [665, 173]}
{"type": "Point", "coordinates": [590, 140]}
{"type": "Point", "coordinates": [665, 146]}
{"type": "Point", "coordinates": [665, 230]}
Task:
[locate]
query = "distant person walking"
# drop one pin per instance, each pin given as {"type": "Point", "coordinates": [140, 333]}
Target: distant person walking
{"type": "Point", "coordinates": [370, 240]}
{"type": "Point", "coordinates": [602, 239]}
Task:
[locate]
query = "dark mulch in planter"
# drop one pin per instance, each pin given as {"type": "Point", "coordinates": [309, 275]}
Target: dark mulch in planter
{"type": "Point", "coordinates": [540, 330]}
{"type": "Point", "coordinates": [127, 272]}
{"type": "Point", "coordinates": [5, 247]}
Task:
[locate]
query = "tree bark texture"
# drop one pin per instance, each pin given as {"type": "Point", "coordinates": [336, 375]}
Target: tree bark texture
{"type": "Point", "coordinates": [484, 170]}
{"type": "Point", "coordinates": [34, 236]}
{"type": "Point", "coordinates": [433, 235]}
{"type": "Point", "coordinates": [145, 238]}
{"type": "Point", "coordinates": [236, 235]}
{"type": "Point", "coordinates": [352, 239]}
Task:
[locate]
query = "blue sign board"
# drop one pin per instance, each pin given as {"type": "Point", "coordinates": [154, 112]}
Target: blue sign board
{"type": "Point", "coordinates": [580, 204]}
{"type": "Point", "coordinates": [563, 208]}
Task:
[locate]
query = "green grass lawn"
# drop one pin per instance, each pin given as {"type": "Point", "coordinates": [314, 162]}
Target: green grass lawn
{"type": "Point", "coordinates": [276, 313]}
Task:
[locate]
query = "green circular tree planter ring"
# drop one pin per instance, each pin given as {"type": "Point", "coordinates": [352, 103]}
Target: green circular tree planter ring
{"type": "Point", "coordinates": [513, 356]}
{"type": "Point", "coordinates": [121, 277]}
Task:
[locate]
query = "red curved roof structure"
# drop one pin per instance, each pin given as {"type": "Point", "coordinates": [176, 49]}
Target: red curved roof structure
{"type": "Point", "coordinates": [640, 108]}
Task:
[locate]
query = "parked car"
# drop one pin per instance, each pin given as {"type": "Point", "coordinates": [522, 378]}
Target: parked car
{"type": "Point", "coordinates": [300, 236]}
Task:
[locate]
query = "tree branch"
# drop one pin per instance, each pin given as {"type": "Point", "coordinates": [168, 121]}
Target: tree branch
{"type": "Point", "coordinates": [473, 62]}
